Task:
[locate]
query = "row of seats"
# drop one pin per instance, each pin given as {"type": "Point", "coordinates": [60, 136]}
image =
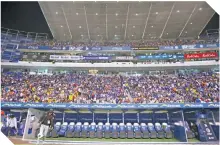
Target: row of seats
{"type": "Point", "coordinates": [113, 130]}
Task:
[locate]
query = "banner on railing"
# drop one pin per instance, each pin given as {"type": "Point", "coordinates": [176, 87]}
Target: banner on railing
{"type": "Point", "coordinates": [162, 57]}
{"type": "Point", "coordinates": [201, 55]}
{"type": "Point", "coordinates": [193, 46]}
{"type": "Point", "coordinates": [145, 48]}
{"type": "Point", "coordinates": [108, 106]}
{"type": "Point", "coordinates": [65, 57]}
{"type": "Point", "coordinates": [124, 58]}
{"type": "Point", "coordinates": [116, 48]}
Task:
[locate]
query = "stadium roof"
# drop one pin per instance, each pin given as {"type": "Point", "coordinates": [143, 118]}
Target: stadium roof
{"type": "Point", "coordinates": [120, 21]}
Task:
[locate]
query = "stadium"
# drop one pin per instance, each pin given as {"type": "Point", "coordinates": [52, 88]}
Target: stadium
{"type": "Point", "coordinates": [141, 72]}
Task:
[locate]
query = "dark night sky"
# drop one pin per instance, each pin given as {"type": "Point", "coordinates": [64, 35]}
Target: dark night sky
{"type": "Point", "coordinates": [27, 16]}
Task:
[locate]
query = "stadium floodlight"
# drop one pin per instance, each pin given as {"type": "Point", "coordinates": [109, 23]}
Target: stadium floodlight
{"type": "Point", "coordinates": [167, 33]}
{"type": "Point", "coordinates": [115, 35]}
{"type": "Point", "coordinates": [80, 26]}
{"type": "Point", "coordinates": [56, 12]}
{"type": "Point", "coordinates": [200, 9]}
{"type": "Point", "coordinates": [77, 13]}
{"type": "Point", "coordinates": [61, 26]}
{"type": "Point", "coordinates": [191, 23]}
{"type": "Point", "coordinates": [149, 34]}
{"type": "Point", "coordinates": [136, 14]}
{"type": "Point", "coordinates": [178, 11]}
{"type": "Point", "coordinates": [82, 35]}
{"type": "Point", "coordinates": [116, 26]}
{"type": "Point", "coordinates": [156, 13]}
{"type": "Point", "coordinates": [133, 26]}
{"type": "Point", "coordinates": [96, 14]}
{"type": "Point", "coordinates": [152, 26]}
{"type": "Point", "coordinates": [116, 14]}
{"type": "Point", "coordinates": [132, 35]}
{"type": "Point", "coordinates": [186, 32]}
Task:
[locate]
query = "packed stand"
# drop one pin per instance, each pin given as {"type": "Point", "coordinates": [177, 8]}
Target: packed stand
{"type": "Point", "coordinates": [116, 89]}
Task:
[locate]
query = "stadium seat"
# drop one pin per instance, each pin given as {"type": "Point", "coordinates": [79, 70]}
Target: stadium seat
{"type": "Point", "coordinates": [137, 130]}
{"type": "Point", "coordinates": [115, 130]}
{"type": "Point", "coordinates": [107, 130]}
{"type": "Point", "coordinates": [63, 129]}
{"type": "Point", "coordinates": [85, 130]}
{"type": "Point", "coordinates": [189, 133]}
{"type": "Point", "coordinates": [122, 130]}
{"type": "Point", "coordinates": [70, 130]}
{"type": "Point", "coordinates": [153, 133]}
{"type": "Point", "coordinates": [160, 131]}
{"type": "Point", "coordinates": [167, 130]}
{"type": "Point", "coordinates": [130, 130]}
{"type": "Point", "coordinates": [78, 129]}
{"type": "Point", "coordinates": [92, 130]}
{"type": "Point", "coordinates": [144, 130]}
{"type": "Point", "coordinates": [99, 130]}
{"type": "Point", "coordinates": [54, 132]}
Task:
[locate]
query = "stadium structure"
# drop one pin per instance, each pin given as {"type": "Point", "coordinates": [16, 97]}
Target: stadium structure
{"type": "Point", "coordinates": [114, 73]}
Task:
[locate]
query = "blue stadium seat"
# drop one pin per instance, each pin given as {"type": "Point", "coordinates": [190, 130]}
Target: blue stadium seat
{"type": "Point", "coordinates": [137, 130]}
{"type": "Point", "coordinates": [78, 129]}
{"type": "Point", "coordinates": [54, 132]}
{"type": "Point", "coordinates": [70, 130]}
{"type": "Point", "coordinates": [167, 130]}
{"type": "Point", "coordinates": [92, 130]}
{"type": "Point", "coordinates": [144, 131]}
{"type": "Point", "coordinates": [115, 130]}
{"type": "Point", "coordinates": [107, 130]}
{"type": "Point", "coordinates": [160, 131]}
{"type": "Point", "coordinates": [122, 130]}
{"type": "Point", "coordinates": [100, 130]}
{"type": "Point", "coordinates": [63, 129]}
{"type": "Point", "coordinates": [85, 130]}
{"type": "Point", "coordinates": [153, 133]}
{"type": "Point", "coordinates": [130, 130]}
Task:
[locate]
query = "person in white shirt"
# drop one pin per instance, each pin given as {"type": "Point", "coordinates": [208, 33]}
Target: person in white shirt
{"type": "Point", "coordinates": [11, 124]}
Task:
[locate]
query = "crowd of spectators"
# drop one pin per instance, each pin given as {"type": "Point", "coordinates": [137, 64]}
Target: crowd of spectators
{"type": "Point", "coordinates": [116, 89]}
{"type": "Point", "coordinates": [54, 44]}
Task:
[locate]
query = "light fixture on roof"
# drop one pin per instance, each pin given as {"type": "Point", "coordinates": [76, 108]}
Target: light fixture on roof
{"type": "Point", "coordinates": [191, 23]}
{"type": "Point", "coordinates": [96, 14]}
{"type": "Point", "coordinates": [82, 35]}
{"type": "Point", "coordinates": [77, 13]}
{"type": "Point", "coordinates": [116, 26]}
{"type": "Point", "coordinates": [133, 26]}
{"type": "Point", "coordinates": [178, 11]}
{"type": "Point", "coordinates": [64, 34]}
{"type": "Point", "coordinates": [98, 35]}
{"type": "Point", "coordinates": [132, 35]}
{"type": "Point", "coordinates": [186, 32]}
{"type": "Point", "coordinates": [80, 26]}
{"type": "Point", "coordinates": [200, 9]}
{"type": "Point", "coordinates": [56, 12]}
{"type": "Point", "coordinates": [152, 26]}
{"type": "Point", "coordinates": [61, 26]}
{"type": "Point", "coordinates": [156, 13]}
{"type": "Point", "coordinates": [115, 35]}
{"type": "Point", "coordinates": [149, 34]}
{"type": "Point", "coordinates": [136, 14]}
{"type": "Point", "coordinates": [116, 14]}
{"type": "Point", "coordinates": [167, 33]}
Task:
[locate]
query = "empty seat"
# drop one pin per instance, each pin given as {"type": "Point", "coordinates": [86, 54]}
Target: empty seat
{"type": "Point", "coordinates": [92, 130]}
{"type": "Point", "coordinates": [54, 132]}
{"type": "Point", "coordinates": [167, 130]}
{"type": "Point", "coordinates": [122, 130]}
{"type": "Point", "coordinates": [107, 130]}
{"type": "Point", "coordinates": [85, 130]}
{"type": "Point", "coordinates": [160, 131]}
{"type": "Point", "coordinates": [144, 130]}
{"type": "Point", "coordinates": [70, 130]}
{"type": "Point", "coordinates": [63, 129]}
{"type": "Point", "coordinates": [77, 130]}
{"type": "Point", "coordinates": [153, 133]}
{"type": "Point", "coordinates": [130, 130]}
{"type": "Point", "coordinates": [137, 130]}
{"type": "Point", "coordinates": [115, 130]}
{"type": "Point", "coordinates": [99, 130]}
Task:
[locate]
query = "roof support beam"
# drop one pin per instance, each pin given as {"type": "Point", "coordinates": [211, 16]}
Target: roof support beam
{"type": "Point", "coordinates": [67, 23]}
{"type": "Point", "coordinates": [206, 23]}
{"type": "Point", "coordinates": [167, 20]}
{"type": "Point", "coordinates": [106, 21]}
{"type": "Point", "coordinates": [40, 3]}
{"type": "Point", "coordinates": [146, 21]}
{"type": "Point", "coordinates": [87, 22]}
{"type": "Point", "coordinates": [126, 25]}
{"type": "Point", "coordinates": [187, 20]}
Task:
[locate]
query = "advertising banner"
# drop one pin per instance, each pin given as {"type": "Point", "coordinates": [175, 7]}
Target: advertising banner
{"type": "Point", "coordinates": [107, 106]}
{"type": "Point", "coordinates": [65, 57]}
{"type": "Point", "coordinates": [145, 48]}
{"type": "Point", "coordinates": [96, 58]}
{"type": "Point", "coordinates": [201, 55]}
{"type": "Point", "coordinates": [161, 57]}
{"type": "Point", "coordinates": [170, 47]}
{"type": "Point", "coordinates": [116, 48]}
{"type": "Point", "coordinates": [124, 57]}
{"type": "Point", "coordinates": [193, 46]}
